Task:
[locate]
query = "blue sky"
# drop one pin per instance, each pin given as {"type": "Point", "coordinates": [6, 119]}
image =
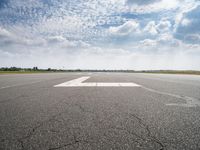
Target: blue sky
{"type": "Point", "coordinates": [100, 34]}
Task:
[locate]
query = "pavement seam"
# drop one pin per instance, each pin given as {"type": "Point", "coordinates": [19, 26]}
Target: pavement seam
{"type": "Point", "coordinates": [190, 101]}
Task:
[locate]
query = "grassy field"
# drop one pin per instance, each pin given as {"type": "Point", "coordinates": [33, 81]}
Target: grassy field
{"type": "Point", "coordinates": [146, 71]}
{"type": "Point", "coordinates": [21, 72]}
{"type": "Point", "coordinates": [173, 72]}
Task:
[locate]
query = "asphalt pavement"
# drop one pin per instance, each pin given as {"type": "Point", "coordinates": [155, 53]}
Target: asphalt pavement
{"type": "Point", "coordinates": [106, 111]}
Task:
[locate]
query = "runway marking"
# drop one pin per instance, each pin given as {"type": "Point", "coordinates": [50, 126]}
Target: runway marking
{"type": "Point", "coordinates": [79, 83]}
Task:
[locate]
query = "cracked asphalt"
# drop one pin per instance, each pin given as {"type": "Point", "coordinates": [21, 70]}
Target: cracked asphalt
{"type": "Point", "coordinates": [164, 113]}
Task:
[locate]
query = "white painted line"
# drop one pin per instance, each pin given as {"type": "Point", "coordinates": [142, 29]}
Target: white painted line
{"type": "Point", "coordinates": [79, 83]}
{"type": "Point", "coordinates": [74, 82]}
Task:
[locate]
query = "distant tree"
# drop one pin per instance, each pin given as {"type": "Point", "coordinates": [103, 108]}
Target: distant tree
{"type": "Point", "coordinates": [78, 70]}
{"type": "Point", "coordinates": [14, 69]}
{"type": "Point", "coordinates": [35, 68]}
{"type": "Point", "coordinates": [49, 69]}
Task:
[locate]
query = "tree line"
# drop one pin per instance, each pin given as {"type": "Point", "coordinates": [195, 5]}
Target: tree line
{"type": "Point", "coordinates": [25, 69]}
{"type": "Point", "coordinates": [59, 70]}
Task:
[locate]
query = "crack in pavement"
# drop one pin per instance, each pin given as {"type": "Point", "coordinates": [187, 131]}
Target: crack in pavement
{"type": "Point", "coordinates": [68, 144]}
{"type": "Point", "coordinates": [64, 145]}
{"type": "Point", "coordinates": [34, 129]}
{"type": "Point", "coordinates": [142, 125]}
{"type": "Point", "coordinates": [30, 133]}
{"type": "Point", "coordinates": [75, 141]}
{"type": "Point", "coordinates": [146, 127]}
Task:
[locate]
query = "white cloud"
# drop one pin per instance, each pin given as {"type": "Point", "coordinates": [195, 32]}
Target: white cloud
{"type": "Point", "coordinates": [25, 3]}
{"type": "Point", "coordinates": [167, 40]}
{"type": "Point", "coordinates": [164, 26]}
{"type": "Point", "coordinates": [55, 39]}
{"type": "Point", "coordinates": [184, 8]}
{"type": "Point", "coordinates": [100, 58]}
{"type": "Point", "coordinates": [151, 28]}
{"type": "Point", "coordinates": [132, 29]}
{"type": "Point", "coordinates": [7, 38]}
{"type": "Point", "coordinates": [154, 6]}
{"type": "Point", "coordinates": [187, 29]}
{"type": "Point", "coordinates": [125, 29]}
{"type": "Point", "coordinates": [4, 33]}
{"type": "Point", "coordinates": [140, 2]}
{"type": "Point", "coordinates": [185, 22]}
{"type": "Point", "coordinates": [148, 43]}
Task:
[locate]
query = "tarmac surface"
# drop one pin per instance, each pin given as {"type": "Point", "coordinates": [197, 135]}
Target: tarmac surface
{"type": "Point", "coordinates": [161, 112]}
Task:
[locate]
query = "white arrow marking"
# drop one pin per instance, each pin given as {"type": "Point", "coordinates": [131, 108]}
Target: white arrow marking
{"type": "Point", "coordinates": [79, 83]}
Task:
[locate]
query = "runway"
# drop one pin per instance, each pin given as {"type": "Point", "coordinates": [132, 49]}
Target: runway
{"type": "Point", "coordinates": [101, 111]}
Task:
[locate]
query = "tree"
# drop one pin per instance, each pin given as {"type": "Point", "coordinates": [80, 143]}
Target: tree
{"type": "Point", "coordinates": [35, 68]}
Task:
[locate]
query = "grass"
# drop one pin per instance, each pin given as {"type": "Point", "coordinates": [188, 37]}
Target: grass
{"type": "Point", "coordinates": [21, 72]}
{"type": "Point", "coordinates": [186, 72]}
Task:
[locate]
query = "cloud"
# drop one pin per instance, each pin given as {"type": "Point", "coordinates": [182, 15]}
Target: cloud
{"type": "Point", "coordinates": [125, 29]}
{"type": "Point", "coordinates": [151, 28]}
{"type": "Point", "coordinates": [192, 38]}
{"type": "Point", "coordinates": [100, 58]}
{"type": "Point", "coordinates": [7, 38]}
{"type": "Point", "coordinates": [188, 28]}
{"type": "Point", "coordinates": [164, 26]}
{"type": "Point", "coordinates": [185, 22]}
{"type": "Point", "coordinates": [4, 34]}
{"type": "Point", "coordinates": [56, 39]}
{"type": "Point", "coordinates": [100, 33]}
{"type": "Point", "coordinates": [145, 7]}
{"type": "Point", "coordinates": [140, 2]}
{"type": "Point", "coordinates": [148, 43]}
{"type": "Point", "coordinates": [132, 31]}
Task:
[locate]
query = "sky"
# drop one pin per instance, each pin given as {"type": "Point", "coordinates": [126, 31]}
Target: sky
{"type": "Point", "coordinates": [100, 34]}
